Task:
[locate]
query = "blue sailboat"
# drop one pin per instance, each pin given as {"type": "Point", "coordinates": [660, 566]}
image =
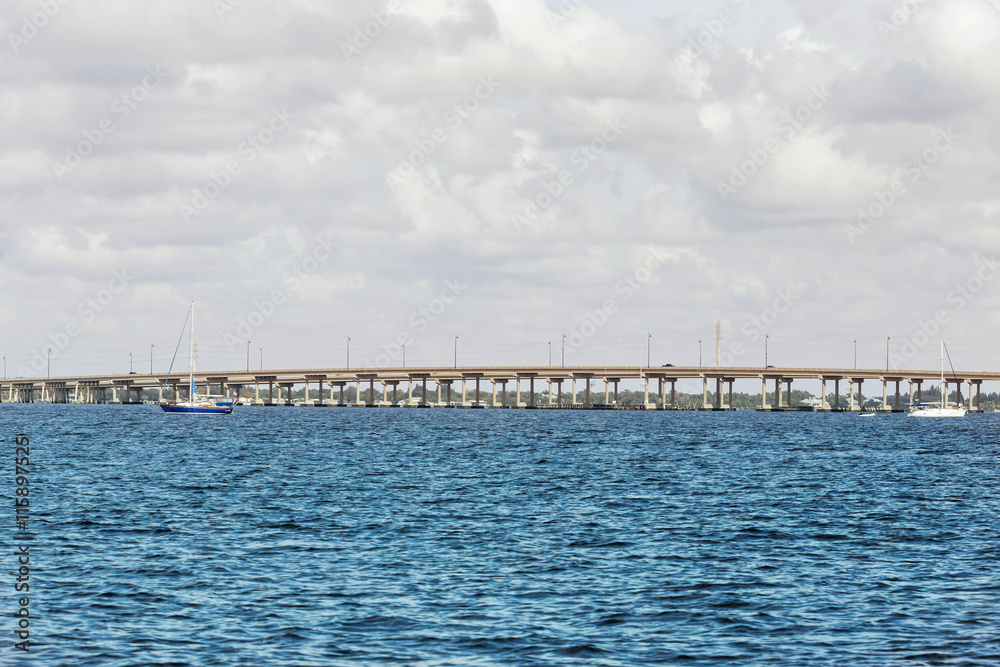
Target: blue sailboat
{"type": "Point", "coordinates": [196, 405]}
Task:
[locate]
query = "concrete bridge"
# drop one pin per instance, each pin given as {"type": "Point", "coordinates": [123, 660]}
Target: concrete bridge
{"type": "Point", "coordinates": [125, 389]}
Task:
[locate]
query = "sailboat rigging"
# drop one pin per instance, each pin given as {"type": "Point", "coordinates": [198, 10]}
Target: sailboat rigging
{"type": "Point", "coordinates": [943, 410]}
{"type": "Point", "coordinates": [194, 404]}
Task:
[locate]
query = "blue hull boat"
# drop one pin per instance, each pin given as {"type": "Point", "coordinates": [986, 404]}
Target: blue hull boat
{"type": "Point", "coordinates": [196, 405]}
{"type": "Point", "coordinates": [196, 408]}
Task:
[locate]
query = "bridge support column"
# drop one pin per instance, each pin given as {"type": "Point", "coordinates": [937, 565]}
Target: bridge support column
{"type": "Point", "coordinates": [517, 393]}
{"type": "Point", "coordinates": [423, 392]}
{"type": "Point", "coordinates": [731, 394]}
{"type": "Point", "coordinates": [897, 395]}
{"type": "Point", "coordinates": [718, 393]}
{"type": "Point", "coordinates": [607, 392]}
{"type": "Point", "coordinates": [885, 391]}
{"type": "Point", "coordinates": [822, 395]}
{"type": "Point", "coordinates": [494, 383]}
{"type": "Point", "coordinates": [572, 400]}
{"type": "Point", "coordinates": [763, 393]}
{"type": "Point", "coordinates": [645, 401]}
{"type": "Point", "coordinates": [531, 388]}
{"type": "Point", "coordinates": [551, 398]}
{"type": "Point", "coordinates": [463, 392]}
{"type": "Point", "coordinates": [704, 392]}
{"type": "Point", "coordinates": [586, 395]}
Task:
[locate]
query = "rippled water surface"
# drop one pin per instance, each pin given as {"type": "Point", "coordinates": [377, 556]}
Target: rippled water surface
{"type": "Point", "coordinates": [280, 536]}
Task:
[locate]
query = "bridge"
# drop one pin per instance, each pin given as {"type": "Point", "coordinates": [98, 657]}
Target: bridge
{"type": "Point", "coordinates": [330, 385]}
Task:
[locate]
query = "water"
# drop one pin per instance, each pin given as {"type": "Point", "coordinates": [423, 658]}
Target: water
{"type": "Point", "coordinates": [281, 536]}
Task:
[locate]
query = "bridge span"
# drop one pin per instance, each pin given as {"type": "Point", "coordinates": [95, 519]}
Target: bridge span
{"type": "Point", "coordinates": [330, 385]}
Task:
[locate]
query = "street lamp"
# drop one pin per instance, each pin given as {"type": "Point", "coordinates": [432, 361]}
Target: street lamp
{"type": "Point", "coordinates": [765, 349]}
{"type": "Point", "coordinates": [150, 358]}
{"type": "Point", "coordinates": [130, 363]}
{"type": "Point", "coordinates": [348, 353]}
{"type": "Point", "coordinates": [649, 337]}
{"type": "Point", "coordinates": [564, 353]}
{"type": "Point", "coordinates": [404, 356]}
{"type": "Point", "coordinates": [261, 358]}
{"type": "Point", "coordinates": [456, 355]}
{"type": "Point", "coordinates": [550, 353]}
{"type": "Point", "coordinates": [855, 354]}
{"type": "Point", "coordinates": [248, 356]}
{"type": "Point", "coordinates": [48, 363]}
{"type": "Point", "coordinates": [886, 353]}
{"type": "Point", "coordinates": [699, 353]}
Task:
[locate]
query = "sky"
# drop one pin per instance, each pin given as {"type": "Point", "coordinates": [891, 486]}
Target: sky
{"type": "Point", "coordinates": [498, 183]}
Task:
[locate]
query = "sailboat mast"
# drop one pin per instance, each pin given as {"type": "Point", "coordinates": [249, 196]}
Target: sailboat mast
{"type": "Point", "coordinates": [191, 365]}
{"type": "Point", "coordinates": [944, 392]}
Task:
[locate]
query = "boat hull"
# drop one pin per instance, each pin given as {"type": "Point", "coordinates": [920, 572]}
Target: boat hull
{"type": "Point", "coordinates": [938, 412]}
{"type": "Point", "coordinates": [197, 409]}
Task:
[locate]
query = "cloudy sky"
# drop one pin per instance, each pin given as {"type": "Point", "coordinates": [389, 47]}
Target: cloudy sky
{"type": "Point", "coordinates": [624, 173]}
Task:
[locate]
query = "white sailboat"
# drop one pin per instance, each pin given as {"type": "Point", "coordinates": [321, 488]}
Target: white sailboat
{"type": "Point", "coordinates": [196, 405]}
{"type": "Point", "coordinates": [943, 410]}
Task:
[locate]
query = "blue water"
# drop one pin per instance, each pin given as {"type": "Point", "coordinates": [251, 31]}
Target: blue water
{"type": "Point", "coordinates": [294, 536]}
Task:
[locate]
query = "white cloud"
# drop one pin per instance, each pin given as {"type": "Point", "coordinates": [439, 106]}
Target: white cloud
{"type": "Point", "coordinates": [690, 117]}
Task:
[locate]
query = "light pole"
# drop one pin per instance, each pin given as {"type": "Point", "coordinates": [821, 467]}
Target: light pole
{"type": "Point", "coordinates": [564, 352]}
{"type": "Point", "coordinates": [248, 357]}
{"type": "Point", "coordinates": [150, 358]}
{"type": "Point", "coordinates": [5, 367]}
{"type": "Point", "coordinates": [886, 353]}
{"type": "Point", "coordinates": [48, 362]}
{"type": "Point", "coordinates": [649, 337]}
{"type": "Point", "coordinates": [765, 350]}
{"type": "Point", "coordinates": [130, 363]}
{"type": "Point", "coordinates": [348, 353]}
{"type": "Point", "coordinates": [404, 356]}
{"type": "Point", "coordinates": [456, 355]}
{"type": "Point", "coordinates": [550, 353]}
{"type": "Point", "coordinates": [855, 354]}
{"type": "Point", "coordinates": [699, 353]}
{"type": "Point", "coordinates": [261, 358]}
